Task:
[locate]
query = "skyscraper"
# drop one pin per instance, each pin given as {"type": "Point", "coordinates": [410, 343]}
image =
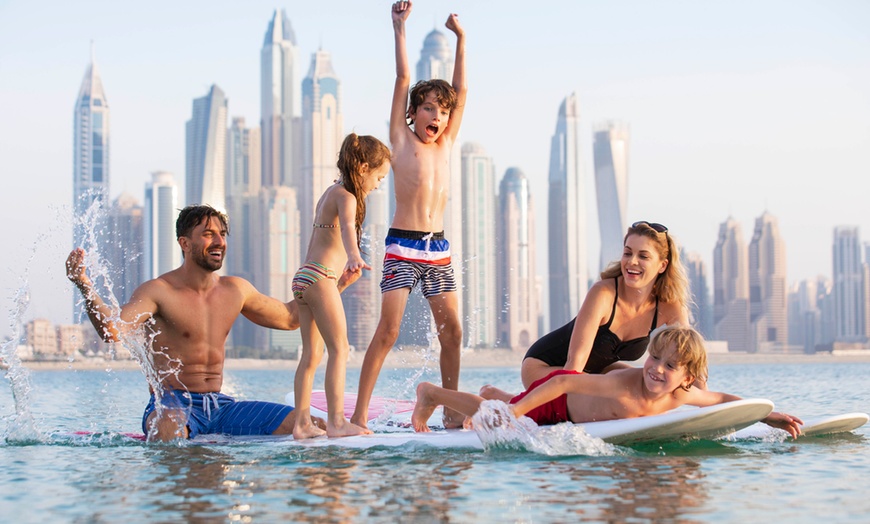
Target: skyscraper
{"type": "Point", "coordinates": [279, 102]}
{"type": "Point", "coordinates": [479, 202]}
{"type": "Point", "coordinates": [322, 134]}
{"type": "Point", "coordinates": [126, 253]}
{"type": "Point", "coordinates": [90, 148]}
{"type": "Point", "coordinates": [567, 218]}
{"type": "Point", "coordinates": [206, 134]}
{"type": "Point", "coordinates": [161, 250]}
{"type": "Point", "coordinates": [436, 58]}
{"type": "Point", "coordinates": [90, 165]}
{"type": "Point", "coordinates": [244, 179]}
{"type": "Point", "coordinates": [731, 287]}
{"type": "Point", "coordinates": [517, 289]}
{"type": "Point", "coordinates": [610, 152]}
{"type": "Point", "coordinates": [276, 232]}
{"type": "Point", "coordinates": [768, 307]}
{"type": "Point", "coordinates": [701, 308]}
{"type": "Point", "coordinates": [848, 286]}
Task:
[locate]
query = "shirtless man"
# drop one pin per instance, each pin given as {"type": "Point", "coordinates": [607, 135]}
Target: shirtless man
{"type": "Point", "coordinates": [416, 249]}
{"type": "Point", "coordinates": [189, 311]}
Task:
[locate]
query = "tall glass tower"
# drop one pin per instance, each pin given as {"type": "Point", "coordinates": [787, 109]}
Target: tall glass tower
{"type": "Point", "coordinates": [323, 132]}
{"type": "Point", "coordinates": [610, 152]}
{"type": "Point", "coordinates": [161, 250]}
{"type": "Point", "coordinates": [567, 218]}
{"type": "Point", "coordinates": [848, 290]}
{"type": "Point", "coordinates": [479, 201]}
{"type": "Point", "coordinates": [768, 306]}
{"type": "Point", "coordinates": [518, 298]}
{"type": "Point", "coordinates": [206, 151]}
{"type": "Point", "coordinates": [731, 287]}
{"type": "Point", "coordinates": [90, 160]}
{"type": "Point", "coordinates": [279, 102]}
{"type": "Point", "coordinates": [90, 147]}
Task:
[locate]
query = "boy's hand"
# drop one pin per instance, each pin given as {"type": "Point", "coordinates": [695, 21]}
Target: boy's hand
{"type": "Point", "coordinates": [783, 421]}
{"type": "Point", "coordinates": [400, 11]}
{"type": "Point", "coordinates": [453, 24]}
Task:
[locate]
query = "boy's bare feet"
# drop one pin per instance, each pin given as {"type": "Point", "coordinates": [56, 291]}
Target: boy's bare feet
{"type": "Point", "coordinates": [424, 408]}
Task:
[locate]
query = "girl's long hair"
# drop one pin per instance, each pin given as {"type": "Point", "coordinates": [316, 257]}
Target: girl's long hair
{"type": "Point", "coordinates": [355, 151]}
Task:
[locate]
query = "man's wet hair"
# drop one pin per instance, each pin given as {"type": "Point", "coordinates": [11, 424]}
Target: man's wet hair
{"type": "Point", "coordinates": [193, 215]}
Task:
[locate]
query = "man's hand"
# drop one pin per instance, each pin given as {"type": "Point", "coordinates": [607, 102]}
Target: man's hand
{"type": "Point", "coordinates": [76, 270]}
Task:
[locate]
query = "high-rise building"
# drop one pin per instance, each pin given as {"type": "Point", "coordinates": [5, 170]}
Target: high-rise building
{"type": "Point", "coordinates": [161, 249]}
{"type": "Point", "coordinates": [276, 232]}
{"type": "Point", "coordinates": [206, 152]}
{"type": "Point", "coordinates": [848, 293]}
{"type": "Point", "coordinates": [701, 309]}
{"type": "Point", "coordinates": [515, 268]}
{"type": "Point", "coordinates": [90, 148]}
{"type": "Point", "coordinates": [768, 307]}
{"type": "Point", "coordinates": [436, 58]}
{"type": "Point", "coordinates": [125, 253]}
{"type": "Point", "coordinates": [244, 179]}
{"type": "Point", "coordinates": [90, 165]}
{"type": "Point", "coordinates": [322, 135]}
{"type": "Point", "coordinates": [567, 218]}
{"type": "Point", "coordinates": [479, 203]}
{"type": "Point", "coordinates": [610, 152]}
{"type": "Point", "coordinates": [804, 316]}
{"type": "Point", "coordinates": [279, 103]}
{"type": "Point", "coordinates": [731, 287]}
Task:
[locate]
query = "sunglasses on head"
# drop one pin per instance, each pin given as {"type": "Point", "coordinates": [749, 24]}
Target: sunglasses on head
{"type": "Point", "coordinates": [659, 228]}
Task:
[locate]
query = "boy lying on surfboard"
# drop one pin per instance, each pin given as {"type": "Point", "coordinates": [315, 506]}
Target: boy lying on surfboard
{"type": "Point", "coordinates": [676, 358]}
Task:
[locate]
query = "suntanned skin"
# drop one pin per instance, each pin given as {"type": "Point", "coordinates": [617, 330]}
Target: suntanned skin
{"type": "Point", "coordinates": [636, 305]}
{"type": "Point", "coordinates": [661, 385]}
{"type": "Point", "coordinates": [421, 166]}
{"type": "Point", "coordinates": [192, 309]}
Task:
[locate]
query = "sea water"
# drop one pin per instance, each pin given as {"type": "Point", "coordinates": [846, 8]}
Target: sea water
{"type": "Point", "coordinates": [109, 478]}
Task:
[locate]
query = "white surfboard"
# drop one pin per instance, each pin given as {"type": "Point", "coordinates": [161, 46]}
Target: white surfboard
{"type": "Point", "coordinates": [812, 427]}
{"type": "Point", "coordinates": [700, 423]}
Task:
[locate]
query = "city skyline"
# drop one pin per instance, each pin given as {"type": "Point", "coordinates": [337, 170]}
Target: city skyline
{"type": "Point", "coordinates": [756, 115]}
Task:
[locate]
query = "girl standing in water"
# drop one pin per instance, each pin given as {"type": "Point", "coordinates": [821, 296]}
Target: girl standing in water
{"type": "Point", "coordinates": [335, 242]}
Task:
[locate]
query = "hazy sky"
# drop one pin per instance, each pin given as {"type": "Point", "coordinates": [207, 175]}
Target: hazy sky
{"type": "Point", "coordinates": [735, 107]}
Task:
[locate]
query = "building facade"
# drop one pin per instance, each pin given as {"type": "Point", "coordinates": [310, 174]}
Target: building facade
{"type": "Point", "coordinates": [731, 287]}
{"type": "Point", "coordinates": [768, 306]}
{"type": "Point", "coordinates": [206, 134]}
{"type": "Point", "coordinates": [567, 218]}
{"type": "Point", "coordinates": [610, 154]}
{"type": "Point", "coordinates": [517, 286]}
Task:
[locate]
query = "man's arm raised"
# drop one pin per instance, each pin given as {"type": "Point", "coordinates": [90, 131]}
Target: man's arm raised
{"type": "Point", "coordinates": [102, 317]}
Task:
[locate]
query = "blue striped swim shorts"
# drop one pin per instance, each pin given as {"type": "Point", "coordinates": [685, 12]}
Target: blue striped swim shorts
{"type": "Point", "coordinates": [209, 413]}
{"type": "Point", "coordinates": [416, 257]}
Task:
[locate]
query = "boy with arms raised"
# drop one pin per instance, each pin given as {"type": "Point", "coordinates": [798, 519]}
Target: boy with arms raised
{"type": "Point", "coordinates": [416, 250]}
{"type": "Point", "coordinates": [676, 359]}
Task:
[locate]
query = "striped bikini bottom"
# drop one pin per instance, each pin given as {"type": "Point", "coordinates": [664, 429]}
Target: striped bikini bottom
{"type": "Point", "coordinates": [308, 274]}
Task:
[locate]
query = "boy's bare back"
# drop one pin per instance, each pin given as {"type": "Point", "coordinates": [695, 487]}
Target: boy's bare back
{"type": "Point", "coordinates": [624, 398]}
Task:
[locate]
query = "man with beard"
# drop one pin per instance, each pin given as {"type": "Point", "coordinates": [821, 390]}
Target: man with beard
{"type": "Point", "coordinates": [187, 314]}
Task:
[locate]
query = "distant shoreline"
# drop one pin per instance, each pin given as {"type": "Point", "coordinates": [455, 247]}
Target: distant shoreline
{"type": "Point", "coordinates": [470, 359]}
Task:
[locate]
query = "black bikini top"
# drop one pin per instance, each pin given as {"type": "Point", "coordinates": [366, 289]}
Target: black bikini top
{"type": "Point", "coordinates": [607, 348]}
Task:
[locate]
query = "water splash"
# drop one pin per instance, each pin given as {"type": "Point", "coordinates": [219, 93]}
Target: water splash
{"type": "Point", "coordinates": [498, 429]}
{"type": "Point", "coordinates": [138, 340]}
{"type": "Point", "coordinates": [21, 428]}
